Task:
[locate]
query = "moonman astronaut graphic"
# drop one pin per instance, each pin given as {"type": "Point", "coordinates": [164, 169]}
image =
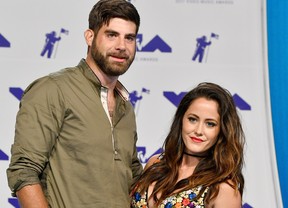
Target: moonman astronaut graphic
{"type": "Point", "coordinates": [200, 48]}
{"type": "Point", "coordinates": [133, 96]}
{"type": "Point", "coordinates": [50, 41]}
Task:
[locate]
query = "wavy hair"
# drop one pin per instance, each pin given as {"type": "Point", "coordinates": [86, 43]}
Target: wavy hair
{"type": "Point", "coordinates": [223, 163]}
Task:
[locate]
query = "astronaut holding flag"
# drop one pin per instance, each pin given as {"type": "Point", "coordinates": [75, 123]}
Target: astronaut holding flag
{"type": "Point", "coordinates": [202, 43]}
{"type": "Point", "coordinates": [64, 31]}
{"type": "Point", "coordinates": [51, 40]}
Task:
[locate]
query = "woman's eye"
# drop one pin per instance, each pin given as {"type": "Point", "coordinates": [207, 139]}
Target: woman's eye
{"type": "Point", "coordinates": [192, 119]}
{"type": "Point", "coordinates": [211, 124]}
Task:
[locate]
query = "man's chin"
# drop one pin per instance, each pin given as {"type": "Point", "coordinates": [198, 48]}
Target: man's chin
{"type": "Point", "coordinates": [117, 72]}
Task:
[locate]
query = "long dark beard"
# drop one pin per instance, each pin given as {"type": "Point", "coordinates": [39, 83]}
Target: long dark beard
{"type": "Point", "coordinates": [110, 69]}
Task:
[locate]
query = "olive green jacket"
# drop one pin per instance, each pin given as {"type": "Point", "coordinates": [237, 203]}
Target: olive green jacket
{"type": "Point", "coordinates": [65, 141]}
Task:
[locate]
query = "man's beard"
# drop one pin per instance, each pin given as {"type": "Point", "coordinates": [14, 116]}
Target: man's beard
{"type": "Point", "coordinates": [109, 68]}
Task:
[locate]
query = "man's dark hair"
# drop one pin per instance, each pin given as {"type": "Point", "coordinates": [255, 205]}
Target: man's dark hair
{"type": "Point", "coordinates": [104, 10]}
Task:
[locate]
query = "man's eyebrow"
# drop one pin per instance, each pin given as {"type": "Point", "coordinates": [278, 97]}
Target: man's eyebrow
{"type": "Point", "coordinates": [111, 31]}
{"type": "Point", "coordinates": [131, 35]}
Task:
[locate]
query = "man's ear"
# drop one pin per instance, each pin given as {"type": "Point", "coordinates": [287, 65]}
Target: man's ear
{"type": "Point", "coordinates": [89, 35]}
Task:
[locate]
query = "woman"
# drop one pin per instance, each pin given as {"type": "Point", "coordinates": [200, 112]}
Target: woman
{"type": "Point", "coordinates": [201, 165]}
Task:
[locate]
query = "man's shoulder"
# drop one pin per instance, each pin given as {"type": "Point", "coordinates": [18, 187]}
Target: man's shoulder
{"type": "Point", "coordinates": [65, 73]}
{"type": "Point", "coordinates": [72, 72]}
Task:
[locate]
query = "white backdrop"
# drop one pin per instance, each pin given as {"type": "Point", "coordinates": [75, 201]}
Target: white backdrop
{"type": "Point", "coordinates": [162, 70]}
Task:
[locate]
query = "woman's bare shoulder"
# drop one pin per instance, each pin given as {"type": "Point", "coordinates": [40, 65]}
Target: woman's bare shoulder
{"type": "Point", "coordinates": [227, 197]}
{"type": "Point", "coordinates": [152, 160]}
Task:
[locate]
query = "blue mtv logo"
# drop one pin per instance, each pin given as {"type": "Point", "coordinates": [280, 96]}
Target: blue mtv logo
{"type": "Point", "coordinates": [17, 92]}
{"type": "Point", "coordinates": [157, 43]}
{"type": "Point", "coordinates": [171, 96]}
{"type": "Point", "coordinates": [4, 42]}
{"type": "Point", "coordinates": [246, 206]}
{"type": "Point", "coordinates": [3, 155]}
{"type": "Point", "coordinates": [175, 100]}
{"type": "Point", "coordinates": [142, 154]}
{"type": "Point", "coordinates": [14, 202]}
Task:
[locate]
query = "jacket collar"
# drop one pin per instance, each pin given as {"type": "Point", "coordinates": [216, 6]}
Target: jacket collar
{"type": "Point", "coordinates": [90, 75]}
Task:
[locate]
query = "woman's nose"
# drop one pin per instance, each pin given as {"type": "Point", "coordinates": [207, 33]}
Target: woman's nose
{"type": "Point", "coordinates": [199, 129]}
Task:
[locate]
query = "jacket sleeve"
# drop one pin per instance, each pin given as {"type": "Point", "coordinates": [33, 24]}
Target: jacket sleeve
{"type": "Point", "coordinates": [137, 167]}
{"type": "Point", "coordinates": [38, 123]}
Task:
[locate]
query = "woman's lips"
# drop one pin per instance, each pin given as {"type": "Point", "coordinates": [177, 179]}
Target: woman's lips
{"type": "Point", "coordinates": [197, 140]}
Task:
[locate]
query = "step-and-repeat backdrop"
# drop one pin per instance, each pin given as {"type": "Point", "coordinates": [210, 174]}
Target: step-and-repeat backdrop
{"type": "Point", "coordinates": [169, 62]}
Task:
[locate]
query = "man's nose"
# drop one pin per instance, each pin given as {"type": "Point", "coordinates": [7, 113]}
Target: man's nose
{"type": "Point", "coordinates": [120, 44]}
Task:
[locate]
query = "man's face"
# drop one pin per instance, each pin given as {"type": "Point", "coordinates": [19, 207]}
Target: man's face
{"type": "Point", "coordinates": [113, 48]}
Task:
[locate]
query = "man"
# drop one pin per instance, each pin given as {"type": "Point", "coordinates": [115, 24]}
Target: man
{"type": "Point", "coordinates": [75, 138]}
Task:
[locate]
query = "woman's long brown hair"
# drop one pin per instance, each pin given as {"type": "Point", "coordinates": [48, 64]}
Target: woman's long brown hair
{"type": "Point", "coordinates": [223, 163]}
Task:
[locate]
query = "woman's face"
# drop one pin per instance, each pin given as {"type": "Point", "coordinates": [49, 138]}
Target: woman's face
{"type": "Point", "coordinates": [201, 125]}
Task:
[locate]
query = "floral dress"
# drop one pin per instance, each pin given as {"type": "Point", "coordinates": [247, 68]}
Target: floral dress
{"type": "Point", "coordinates": [181, 200]}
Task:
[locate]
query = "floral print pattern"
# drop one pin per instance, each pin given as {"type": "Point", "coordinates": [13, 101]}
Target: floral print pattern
{"type": "Point", "coordinates": [185, 199]}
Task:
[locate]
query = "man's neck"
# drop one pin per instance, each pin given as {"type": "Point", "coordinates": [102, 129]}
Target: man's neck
{"type": "Point", "coordinates": [106, 80]}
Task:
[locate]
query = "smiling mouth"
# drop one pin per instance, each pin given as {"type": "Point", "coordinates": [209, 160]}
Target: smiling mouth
{"type": "Point", "coordinates": [119, 58]}
{"type": "Point", "coordinates": [197, 140]}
